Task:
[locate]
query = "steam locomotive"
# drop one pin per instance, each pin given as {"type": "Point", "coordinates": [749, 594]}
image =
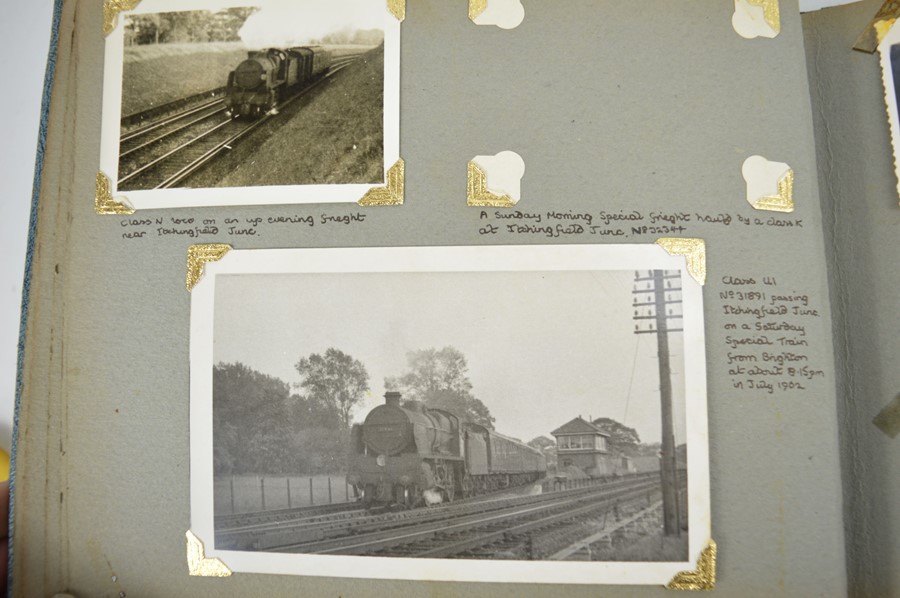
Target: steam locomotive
{"type": "Point", "coordinates": [411, 455]}
{"type": "Point", "coordinates": [267, 77]}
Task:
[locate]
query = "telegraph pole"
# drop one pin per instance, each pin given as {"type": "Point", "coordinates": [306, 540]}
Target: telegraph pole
{"type": "Point", "coordinates": [657, 297]}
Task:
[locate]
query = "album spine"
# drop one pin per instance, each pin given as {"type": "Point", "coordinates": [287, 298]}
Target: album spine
{"type": "Point", "coordinates": [31, 243]}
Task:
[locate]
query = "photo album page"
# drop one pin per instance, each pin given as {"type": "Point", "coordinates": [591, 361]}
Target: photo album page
{"type": "Point", "coordinates": [379, 298]}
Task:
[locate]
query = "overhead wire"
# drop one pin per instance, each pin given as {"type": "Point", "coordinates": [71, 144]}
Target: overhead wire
{"type": "Point", "coordinates": [631, 382]}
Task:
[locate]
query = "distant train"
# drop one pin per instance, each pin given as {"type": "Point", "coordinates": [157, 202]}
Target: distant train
{"type": "Point", "coordinates": [267, 77]}
{"type": "Point", "coordinates": [411, 455]}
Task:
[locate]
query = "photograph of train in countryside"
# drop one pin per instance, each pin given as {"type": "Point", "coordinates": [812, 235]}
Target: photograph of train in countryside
{"type": "Point", "coordinates": [400, 414]}
{"type": "Point", "coordinates": [280, 94]}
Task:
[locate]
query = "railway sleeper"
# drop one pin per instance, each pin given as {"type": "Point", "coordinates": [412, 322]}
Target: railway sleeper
{"type": "Point", "coordinates": [336, 543]}
{"type": "Point", "coordinates": [542, 543]}
{"type": "Point", "coordinates": [551, 517]}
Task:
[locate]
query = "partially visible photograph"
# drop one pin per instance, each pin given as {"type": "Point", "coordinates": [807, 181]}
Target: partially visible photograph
{"type": "Point", "coordinates": [288, 98]}
{"type": "Point", "coordinates": [889, 48]}
{"type": "Point", "coordinates": [549, 425]}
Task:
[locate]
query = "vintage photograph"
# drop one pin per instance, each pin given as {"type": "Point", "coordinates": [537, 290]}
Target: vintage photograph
{"type": "Point", "coordinates": [889, 48]}
{"type": "Point", "coordinates": [475, 407]}
{"type": "Point", "coordinates": [297, 100]}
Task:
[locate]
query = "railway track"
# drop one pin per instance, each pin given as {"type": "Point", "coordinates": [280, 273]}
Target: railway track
{"type": "Point", "coordinates": [152, 133]}
{"type": "Point", "coordinates": [238, 521]}
{"type": "Point", "coordinates": [496, 533]}
{"type": "Point", "coordinates": [165, 153]}
{"type": "Point", "coordinates": [140, 119]}
{"type": "Point", "coordinates": [424, 532]}
{"type": "Point", "coordinates": [306, 521]}
{"type": "Point", "coordinates": [273, 528]}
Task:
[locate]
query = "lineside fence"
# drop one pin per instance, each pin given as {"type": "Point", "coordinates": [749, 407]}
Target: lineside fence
{"type": "Point", "coordinates": [554, 483]}
{"type": "Point", "coordinates": [250, 494]}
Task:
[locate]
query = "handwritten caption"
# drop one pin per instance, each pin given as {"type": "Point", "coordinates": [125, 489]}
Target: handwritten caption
{"type": "Point", "coordinates": [195, 228]}
{"type": "Point", "coordinates": [765, 335]}
{"type": "Point", "coordinates": [622, 223]}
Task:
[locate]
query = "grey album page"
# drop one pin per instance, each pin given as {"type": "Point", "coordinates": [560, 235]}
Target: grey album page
{"type": "Point", "coordinates": [860, 209]}
{"type": "Point", "coordinates": [633, 120]}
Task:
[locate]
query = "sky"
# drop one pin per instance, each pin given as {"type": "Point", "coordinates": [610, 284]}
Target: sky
{"type": "Point", "coordinates": [296, 22]}
{"type": "Point", "coordinates": [542, 347]}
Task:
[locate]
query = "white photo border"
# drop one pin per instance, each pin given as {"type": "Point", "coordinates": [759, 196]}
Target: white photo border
{"type": "Point", "coordinates": [237, 196]}
{"type": "Point", "coordinates": [450, 259]}
{"type": "Point", "coordinates": [890, 96]}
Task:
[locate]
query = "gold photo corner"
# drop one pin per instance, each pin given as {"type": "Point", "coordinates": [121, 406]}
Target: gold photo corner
{"type": "Point", "coordinates": [888, 419]}
{"type": "Point", "coordinates": [103, 199]}
{"type": "Point", "coordinates": [198, 564]}
{"type": "Point", "coordinates": [478, 195]}
{"type": "Point", "coordinates": [704, 578]}
{"type": "Point", "coordinates": [397, 8]}
{"type": "Point", "coordinates": [878, 27]}
{"type": "Point", "coordinates": [694, 251]}
{"type": "Point", "coordinates": [476, 7]}
{"type": "Point", "coordinates": [784, 201]}
{"type": "Point", "coordinates": [882, 28]}
{"type": "Point", "coordinates": [392, 193]}
{"type": "Point", "coordinates": [111, 10]}
{"type": "Point", "coordinates": [771, 12]}
{"type": "Point", "coordinates": [197, 258]}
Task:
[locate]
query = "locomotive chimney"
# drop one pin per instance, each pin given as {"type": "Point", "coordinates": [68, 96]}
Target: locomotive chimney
{"type": "Point", "coordinates": [392, 398]}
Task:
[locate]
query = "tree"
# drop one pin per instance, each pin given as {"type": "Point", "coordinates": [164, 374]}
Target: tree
{"type": "Point", "coordinates": [189, 26]}
{"type": "Point", "coordinates": [251, 433]}
{"type": "Point", "coordinates": [439, 379]}
{"type": "Point", "coordinates": [334, 383]}
{"type": "Point", "coordinates": [225, 25]}
{"type": "Point", "coordinates": [650, 449]}
{"type": "Point", "coordinates": [143, 29]}
{"type": "Point", "coordinates": [622, 439]}
{"type": "Point", "coordinates": [462, 404]}
{"type": "Point", "coordinates": [318, 440]}
{"type": "Point", "coordinates": [259, 427]}
{"type": "Point", "coordinates": [548, 447]}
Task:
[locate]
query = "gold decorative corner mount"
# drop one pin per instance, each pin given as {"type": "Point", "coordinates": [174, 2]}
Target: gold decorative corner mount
{"type": "Point", "coordinates": [397, 8]}
{"type": "Point", "coordinates": [878, 27]}
{"type": "Point", "coordinates": [882, 28]}
{"type": "Point", "coordinates": [476, 7]}
{"type": "Point", "coordinates": [197, 258]}
{"type": "Point", "coordinates": [704, 578]}
{"type": "Point", "coordinates": [111, 10]}
{"type": "Point", "coordinates": [103, 199]}
{"type": "Point", "coordinates": [694, 251]}
{"type": "Point", "coordinates": [784, 200]}
{"type": "Point", "coordinates": [478, 195]}
{"type": "Point", "coordinates": [198, 564]}
{"type": "Point", "coordinates": [771, 12]}
{"type": "Point", "coordinates": [390, 195]}
{"type": "Point", "coordinates": [888, 419]}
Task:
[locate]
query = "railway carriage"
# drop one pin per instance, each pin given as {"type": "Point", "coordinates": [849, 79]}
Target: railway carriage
{"type": "Point", "coordinates": [267, 77]}
{"type": "Point", "coordinates": [495, 461]}
{"type": "Point", "coordinates": [411, 454]}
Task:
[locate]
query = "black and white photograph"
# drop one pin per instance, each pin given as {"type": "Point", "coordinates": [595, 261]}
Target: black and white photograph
{"type": "Point", "coordinates": [506, 407]}
{"type": "Point", "coordinates": [889, 48]}
{"type": "Point", "coordinates": [273, 101]}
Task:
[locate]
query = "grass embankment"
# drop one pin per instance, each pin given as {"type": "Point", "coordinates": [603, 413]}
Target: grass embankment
{"type": "Point", "coordinates": [334, 135]}
{"type": "Point", "coordinates": [158, 74]}
{"type": "Point", "coordinates": [652, 547]}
